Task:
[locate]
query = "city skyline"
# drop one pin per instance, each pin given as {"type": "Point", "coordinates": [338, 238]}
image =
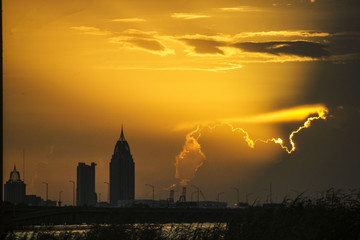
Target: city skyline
{"type": "Point", "coordinates": [205, 90]}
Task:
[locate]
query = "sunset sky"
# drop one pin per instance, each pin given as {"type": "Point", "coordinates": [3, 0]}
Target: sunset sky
{"type": "Point", "coordinates": [74, 71]}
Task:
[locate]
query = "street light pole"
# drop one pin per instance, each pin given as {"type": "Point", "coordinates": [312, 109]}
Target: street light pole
{"type": "Point", "coordinates": [60, 198]}
{"type": "Point", "coordinates": [192, 195]}
{"type": "Point", "coordinates": [153, 191]}
{"type": "Point", "coordinates": [237, 195]}
{"type": "Point", "coordinates": [73, 191]}
{"type": "Point", "coordinates": [47, 191]}
{"type": "Point", "coordinates": [198, 192]}
{"type": "Point", "coordinates": [218, 198]}
{"type": "Point", "coordinates": [247, 197]}
{"type": "Point", "coordinates": [107, 191]}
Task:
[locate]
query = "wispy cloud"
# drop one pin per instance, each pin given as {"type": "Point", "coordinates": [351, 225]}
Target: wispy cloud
{"type": "Point", "coordinates": [305, 34]}
{"type": "Point", "coordinates": [241, 9]}
{"type": "Point", "coordinates": [202, 69]}
{"type": "Point", "coordinates": [205, 46]}
{"type": "Point", "coordinates": [153, 46]}
{"type": "Point", "coordinates": [128, 20]}
{"type": "Point", "coordinates": [245, 47]}
{"type": "Point", "coordinates": [294, 114]}
{"type": "Point", "coordinates": [139, 33]}
{"type": "Point", "coordinates": [142, 40]}
{"type": "Point", "coordinates": [188, 16]}
{"type": "Point", "coordinates": [91, 30]}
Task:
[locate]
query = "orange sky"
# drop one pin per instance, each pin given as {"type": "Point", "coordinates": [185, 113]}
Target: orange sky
{"type": "Point", "coordinates": [74, 71]}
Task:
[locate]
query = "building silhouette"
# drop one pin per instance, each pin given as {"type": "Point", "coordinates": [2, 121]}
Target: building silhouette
{"type": "Point", "coordinates": [85, 188]}
{"type": "Point", "coordinates": [122, 172]}
{"type": "Point", "coordinates": [33, 200]}
{"type": "Point", "coordinates": [14, 188]}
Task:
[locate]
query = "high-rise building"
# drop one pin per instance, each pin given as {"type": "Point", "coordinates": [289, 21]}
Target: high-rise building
{"type": "Point", "coordinates": [85, 187]}
{"type": "Point", "coordinates": [122, 172]}
{"type": "Point", "coordinates": [14, 188]}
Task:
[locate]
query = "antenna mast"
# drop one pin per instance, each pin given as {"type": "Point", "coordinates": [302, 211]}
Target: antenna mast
{"type": "Point", "coordinates": [24, 165]}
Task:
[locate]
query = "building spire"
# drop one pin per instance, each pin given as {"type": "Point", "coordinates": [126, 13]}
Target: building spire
{"type": "Point", "coordinates": [122, 138]}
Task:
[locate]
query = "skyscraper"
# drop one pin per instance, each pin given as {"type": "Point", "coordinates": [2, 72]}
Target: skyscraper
{"type": "Point", "coordinates": [14, 188]}
{"type": "Point", "coordinates": [122, 172]}
{"type": "Point", "coordinates": [85, 187]}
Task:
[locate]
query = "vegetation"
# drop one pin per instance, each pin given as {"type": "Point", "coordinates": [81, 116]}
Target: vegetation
{"type": "Point", "coordinates": [335, 215]}
{"type": "Point", "coordinates": [128, 231]}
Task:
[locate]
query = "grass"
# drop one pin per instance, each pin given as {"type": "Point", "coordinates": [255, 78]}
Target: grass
{"type": "Point", "coordinates": [131, 232]}
{"type": "Point", "coordinates": [335, 215]}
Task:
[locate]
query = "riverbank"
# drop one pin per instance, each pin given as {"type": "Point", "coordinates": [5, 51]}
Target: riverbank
{"type": "Point", "coordinates": [334, 216]}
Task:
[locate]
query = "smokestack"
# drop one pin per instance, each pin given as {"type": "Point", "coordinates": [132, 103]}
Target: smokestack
{"type": "Point", "coordinates": [171, 199]}
{"type": "Point", "coordinates": [24, 165]}
{"type": "Point", "coordinates": [271, 193]}
{"type": "Point", "coordinates": [184, 193]}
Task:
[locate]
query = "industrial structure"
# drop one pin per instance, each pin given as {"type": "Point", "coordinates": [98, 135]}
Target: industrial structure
{"type": "Point", "coordinates": [85, 194]}
{"type": "Point", "coordinates": [122, 173]}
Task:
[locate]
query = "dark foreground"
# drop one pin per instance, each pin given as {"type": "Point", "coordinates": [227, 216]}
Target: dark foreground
{"type": "Point", "coordinates": [335, 216]}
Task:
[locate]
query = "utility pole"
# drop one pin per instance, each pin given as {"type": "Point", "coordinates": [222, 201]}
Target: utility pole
{"type": "Point", "coordinates": [247, 197]}
{"type": "Point", "coordinates": [198, 193]}
{"type": "Point", "coordinates": [218, 196]}
{"type": "Point", "coordinates": [153, 191]}
{"type": "Point", "coordinates": [47, 191]}
{"type": "Point", "coordinates": [73, 191]}
{"type": "Point", "coordinates": [1, 116]}
{"type": "Point", "coordinates": [107, 191]}
{"type": "Point", "coordinates": [271, 193]}
{"type": "Point", "coordinates": [192, 195]}
{"type": "Point", "coordinates": [237, 195]}
{"type": "Point", "coordinates": [24, 165]}
{"type": "Point", "coordinates": [60, 198]}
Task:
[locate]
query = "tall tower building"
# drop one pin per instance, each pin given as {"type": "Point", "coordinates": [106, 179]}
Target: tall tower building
{"type": "Point", "coordinates": [14, 188]}
{"type": "Point", "coordinates": [122, 172]}
{"type": "Point", "coordinates": [85, 186]}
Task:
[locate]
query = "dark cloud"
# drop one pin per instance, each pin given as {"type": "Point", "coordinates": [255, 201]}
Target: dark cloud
{"type": "Point", "coordinates": [148, 44]}
{"type": "Point", "coordinates": [327, 156]}
{"type": "Point", "coordinates": [204, 46]}
{"type": "Point", "coordinates": [334, 84]}
{"type": "Point", "coordinates": [315, 3]}
{"type": "Point", "coordinates": [141, 39]}
{"type": "Point", "coordinates": [298, 48]}
{"type": "Point", "coordinates": [345, 43]}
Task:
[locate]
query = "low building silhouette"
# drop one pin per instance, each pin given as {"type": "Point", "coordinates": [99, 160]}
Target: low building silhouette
{"type": "Point", "coordinates": [85, 188]}
{"type": "Point", "coordinates": [36, 201]}
{"type": "Point", "coordinates": [14, 188]}
{"type": "Point", "coordinates": [201, 204]}
{"type": "Point", "coordinates": [33, 200]}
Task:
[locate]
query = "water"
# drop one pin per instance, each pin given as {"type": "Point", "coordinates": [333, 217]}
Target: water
{"type": "Point", "coordinates": [168, 231]}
